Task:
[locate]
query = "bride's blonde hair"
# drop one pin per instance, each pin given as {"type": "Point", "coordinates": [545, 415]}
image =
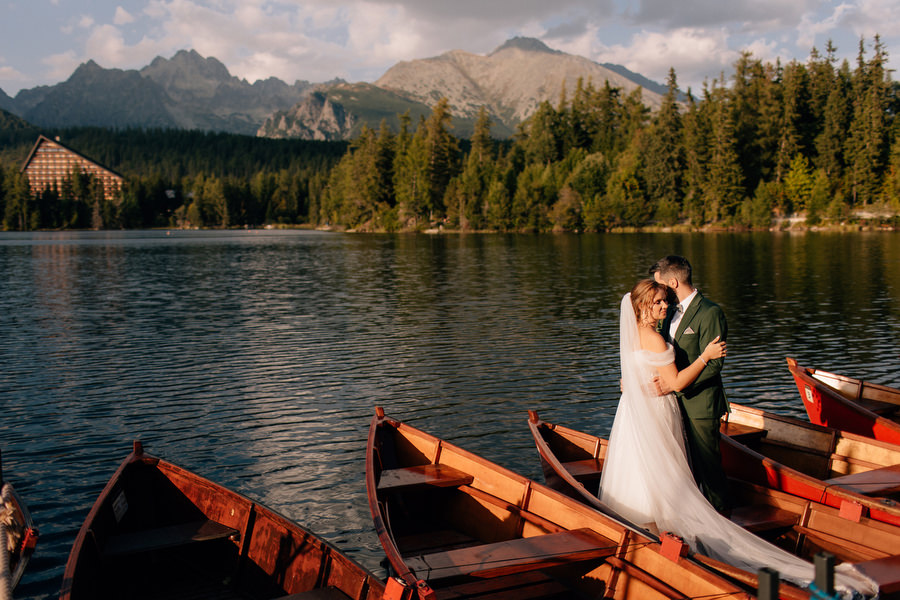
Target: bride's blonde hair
{"type": "Point", "coordinates": [642, 297]}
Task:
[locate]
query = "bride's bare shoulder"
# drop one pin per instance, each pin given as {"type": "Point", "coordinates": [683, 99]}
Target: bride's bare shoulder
{"type": "Point", "coordinates": [651, 340]}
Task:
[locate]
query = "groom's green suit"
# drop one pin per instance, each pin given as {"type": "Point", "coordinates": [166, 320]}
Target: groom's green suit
{"type": "Point", "coordinates": [703, 402]}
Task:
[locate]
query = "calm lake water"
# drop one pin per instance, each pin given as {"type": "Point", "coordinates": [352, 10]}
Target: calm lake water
{"type": "Point", "coordinates": [256, 358]}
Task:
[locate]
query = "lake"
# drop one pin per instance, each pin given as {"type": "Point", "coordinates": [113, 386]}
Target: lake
{"type": "Point", "coordinates": [256, 358]}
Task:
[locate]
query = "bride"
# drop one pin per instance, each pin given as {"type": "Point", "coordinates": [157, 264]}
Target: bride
{"type": "Point", "coordinates": [646, 476]}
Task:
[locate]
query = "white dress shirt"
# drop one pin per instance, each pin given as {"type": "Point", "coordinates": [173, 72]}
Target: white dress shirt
{"type": "Point", "coordinates": [679, 313]}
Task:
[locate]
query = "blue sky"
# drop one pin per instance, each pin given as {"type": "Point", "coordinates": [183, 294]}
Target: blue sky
{"type": "Point", "coordinates": [43, 41]}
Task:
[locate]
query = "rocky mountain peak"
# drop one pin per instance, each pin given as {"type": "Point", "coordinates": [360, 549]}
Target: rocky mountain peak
{"type": "Point", "coordinates": [527, 44]}
{"type": "Point", "coordinates": [187, 63]}
{"type": "Point", "coordinates": [511, 82]}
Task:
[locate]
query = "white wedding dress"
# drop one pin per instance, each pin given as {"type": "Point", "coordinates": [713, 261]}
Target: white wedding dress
{"type": "Point", "coordinates": [647, 478]}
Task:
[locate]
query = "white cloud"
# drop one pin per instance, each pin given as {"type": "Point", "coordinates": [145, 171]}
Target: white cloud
{"type": "Point", "coordinates": [8, 73]}
{"type": "Point", "coordinates": [695, 54]}
{"type": "Point", "coordinates": [766, 51]}
{"type": "Point", "coordinates": [869, 17]}
{"type": "Point", "coordinates": [122, 17]}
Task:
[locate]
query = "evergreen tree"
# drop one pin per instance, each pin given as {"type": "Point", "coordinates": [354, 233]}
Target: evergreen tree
{"type": "Point", "coordinates": [384, 166]}
{"type": "Point", "coordinates": [867, 141]}
{"type": "Point", "coordinates": [794, 114]}
{"type": "Point", "coordinates": [664, 167]}
{"type": "Point", "coordinates": [539, 136]}
{"type": "Point", "coordinates": [467, 209]}
{"type": "Point", "coordinates": [769, 128]}
{"type": "Point", "coordinates": [798, 184]}
{"type": "Point", "coordinates": [18, 214]}
{"type": "Point", "coordinates": [748, 99]}
{"type": "Point", "coordinates": [723, 186]}
{"type": "Point", "coordinates": [603, 120]}
{"type": "Point", "coordinates": [442, 155]}
{"type": "Point", "coordinates": [626, 201]}
{"type": "Point", "coordinates": [835, 119]}
{"type": "Point", "coordinates": [533, 196]}
{"type": "Point", "coordinates": [821, 78]}
{"type": "Point", "coordinates": [697, 134]}
{"type": "Point", "coordinates": [411, 181]}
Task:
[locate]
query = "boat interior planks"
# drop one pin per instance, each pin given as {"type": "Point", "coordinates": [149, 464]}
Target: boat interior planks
{"type": "Point", "coordinates": [452, 522]}
{"type": "Point", "coordinates": [827, 457]}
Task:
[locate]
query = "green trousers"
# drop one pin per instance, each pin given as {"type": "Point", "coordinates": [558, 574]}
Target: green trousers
{"type": "Point", "coordinates": [706, 460]}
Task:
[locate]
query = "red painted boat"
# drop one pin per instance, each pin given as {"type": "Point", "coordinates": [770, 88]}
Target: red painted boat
{"type": "Point", "coordinates": [848, 404]}
{"type": "Point", "coordinates": [19, 536]}
{"type": "Point", "coordinates": [573, 463]}
{"type": "Point", "coordinates": [858, 475]}
{"type": "Point", "coordinates": [159, 531]}
{"type": "Point", "coordinates": [455, 525]}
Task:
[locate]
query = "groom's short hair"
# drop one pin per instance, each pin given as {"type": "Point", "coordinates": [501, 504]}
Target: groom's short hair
{"type": "Point", "coordinates": [673, 265]}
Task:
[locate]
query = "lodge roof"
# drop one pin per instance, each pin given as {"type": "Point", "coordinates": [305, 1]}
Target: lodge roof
{"type": "Point", "coordinates": [42, 139]}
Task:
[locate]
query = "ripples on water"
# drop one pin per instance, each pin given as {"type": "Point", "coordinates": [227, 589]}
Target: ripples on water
{"type": "Point", "coordinates": [256, 358]}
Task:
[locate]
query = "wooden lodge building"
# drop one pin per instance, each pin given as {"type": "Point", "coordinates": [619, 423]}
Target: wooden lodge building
{"type": "Point", "coordinates": [51, 162]}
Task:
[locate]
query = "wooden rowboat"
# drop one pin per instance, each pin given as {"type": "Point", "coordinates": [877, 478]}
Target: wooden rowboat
{"type": "Point", "coordinates": [454, 525]}
{"type": "Point", "coordinates": [573, 463]}
{"type": "Point", "coordinates": [19, 536]}
{"type": "Point", "coordinates": [858, 475]}
{"type": "Point", "coordinates": [160, 531]}
{"type": "Point", "coordinates": [848, 404]}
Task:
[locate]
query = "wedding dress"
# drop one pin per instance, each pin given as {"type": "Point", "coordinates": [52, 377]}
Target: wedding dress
{"type": "Point", "coordinates": [647, 478]}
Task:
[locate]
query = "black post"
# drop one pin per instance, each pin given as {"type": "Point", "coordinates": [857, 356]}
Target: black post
{"type": "Point", "coordinates": [768, 584]}
{"type": "Point", "coordinates": [825, 572]}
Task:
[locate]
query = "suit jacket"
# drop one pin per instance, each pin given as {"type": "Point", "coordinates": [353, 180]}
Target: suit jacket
{"type": "Point", "coordinates": [702, 322]}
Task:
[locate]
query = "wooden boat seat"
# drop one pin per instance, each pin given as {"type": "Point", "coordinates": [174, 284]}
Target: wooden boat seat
{"type": "Point", "coordinates": [395, 480]}
{"type": "Point", "coordinates": [885, 571]}
{"type": "Point", "coordinates": [167, 537]}
{"type": "Point", "coordinates": [763, 517]}
{"type": "Point", "coordinates": [326, 593]}
{"type": "Point", "coordinates": [877, 482]}
{"type": "Point", "coordinates": [585, 470]}
{"type": "Point", "coordinates": [513, 556]}
{"type": "Point", "coordinates": [745, 434]}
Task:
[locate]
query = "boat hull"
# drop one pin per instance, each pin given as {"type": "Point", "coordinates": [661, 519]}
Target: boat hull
{"type": "Point", "coordinates": [20, 532]}
{"type": "Point", "coordinates": [848, 404]}
{"type": "Point", "coordinates": [160, 531]}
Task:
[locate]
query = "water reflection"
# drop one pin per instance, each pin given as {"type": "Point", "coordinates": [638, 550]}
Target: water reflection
{"type": "Point", "coordinates": [256, 358]}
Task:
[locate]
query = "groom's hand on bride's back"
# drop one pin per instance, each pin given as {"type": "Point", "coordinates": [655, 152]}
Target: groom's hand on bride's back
{"type": "Point", "coordinates": [661, 388]}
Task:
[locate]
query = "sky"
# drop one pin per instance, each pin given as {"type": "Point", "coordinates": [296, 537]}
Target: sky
{"type": "Point", "coordinates": [43, 41]}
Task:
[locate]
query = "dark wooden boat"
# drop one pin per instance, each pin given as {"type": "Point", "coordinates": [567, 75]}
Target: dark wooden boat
{"type": "Point", "coordinates": [455, 525]}
{"type": "Point", "coordinates": [573, 463]}
{"type": "Point", "coordinates": [160, 531]}
{"type": "Point", "coordinates": [848, 404]}
{"type": "Point", "coordinates": [21, 535]}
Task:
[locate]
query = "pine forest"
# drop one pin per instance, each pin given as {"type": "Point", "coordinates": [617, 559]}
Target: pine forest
{"type": "Point", "coordinates": [814, 143]}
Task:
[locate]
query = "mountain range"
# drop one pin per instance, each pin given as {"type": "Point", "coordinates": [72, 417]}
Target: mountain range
{"type": "Point", "coordinates": [189, 91]}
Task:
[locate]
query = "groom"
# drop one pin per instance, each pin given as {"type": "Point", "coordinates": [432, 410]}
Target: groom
{"type": "Point", "coordinates": [690, 325]}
